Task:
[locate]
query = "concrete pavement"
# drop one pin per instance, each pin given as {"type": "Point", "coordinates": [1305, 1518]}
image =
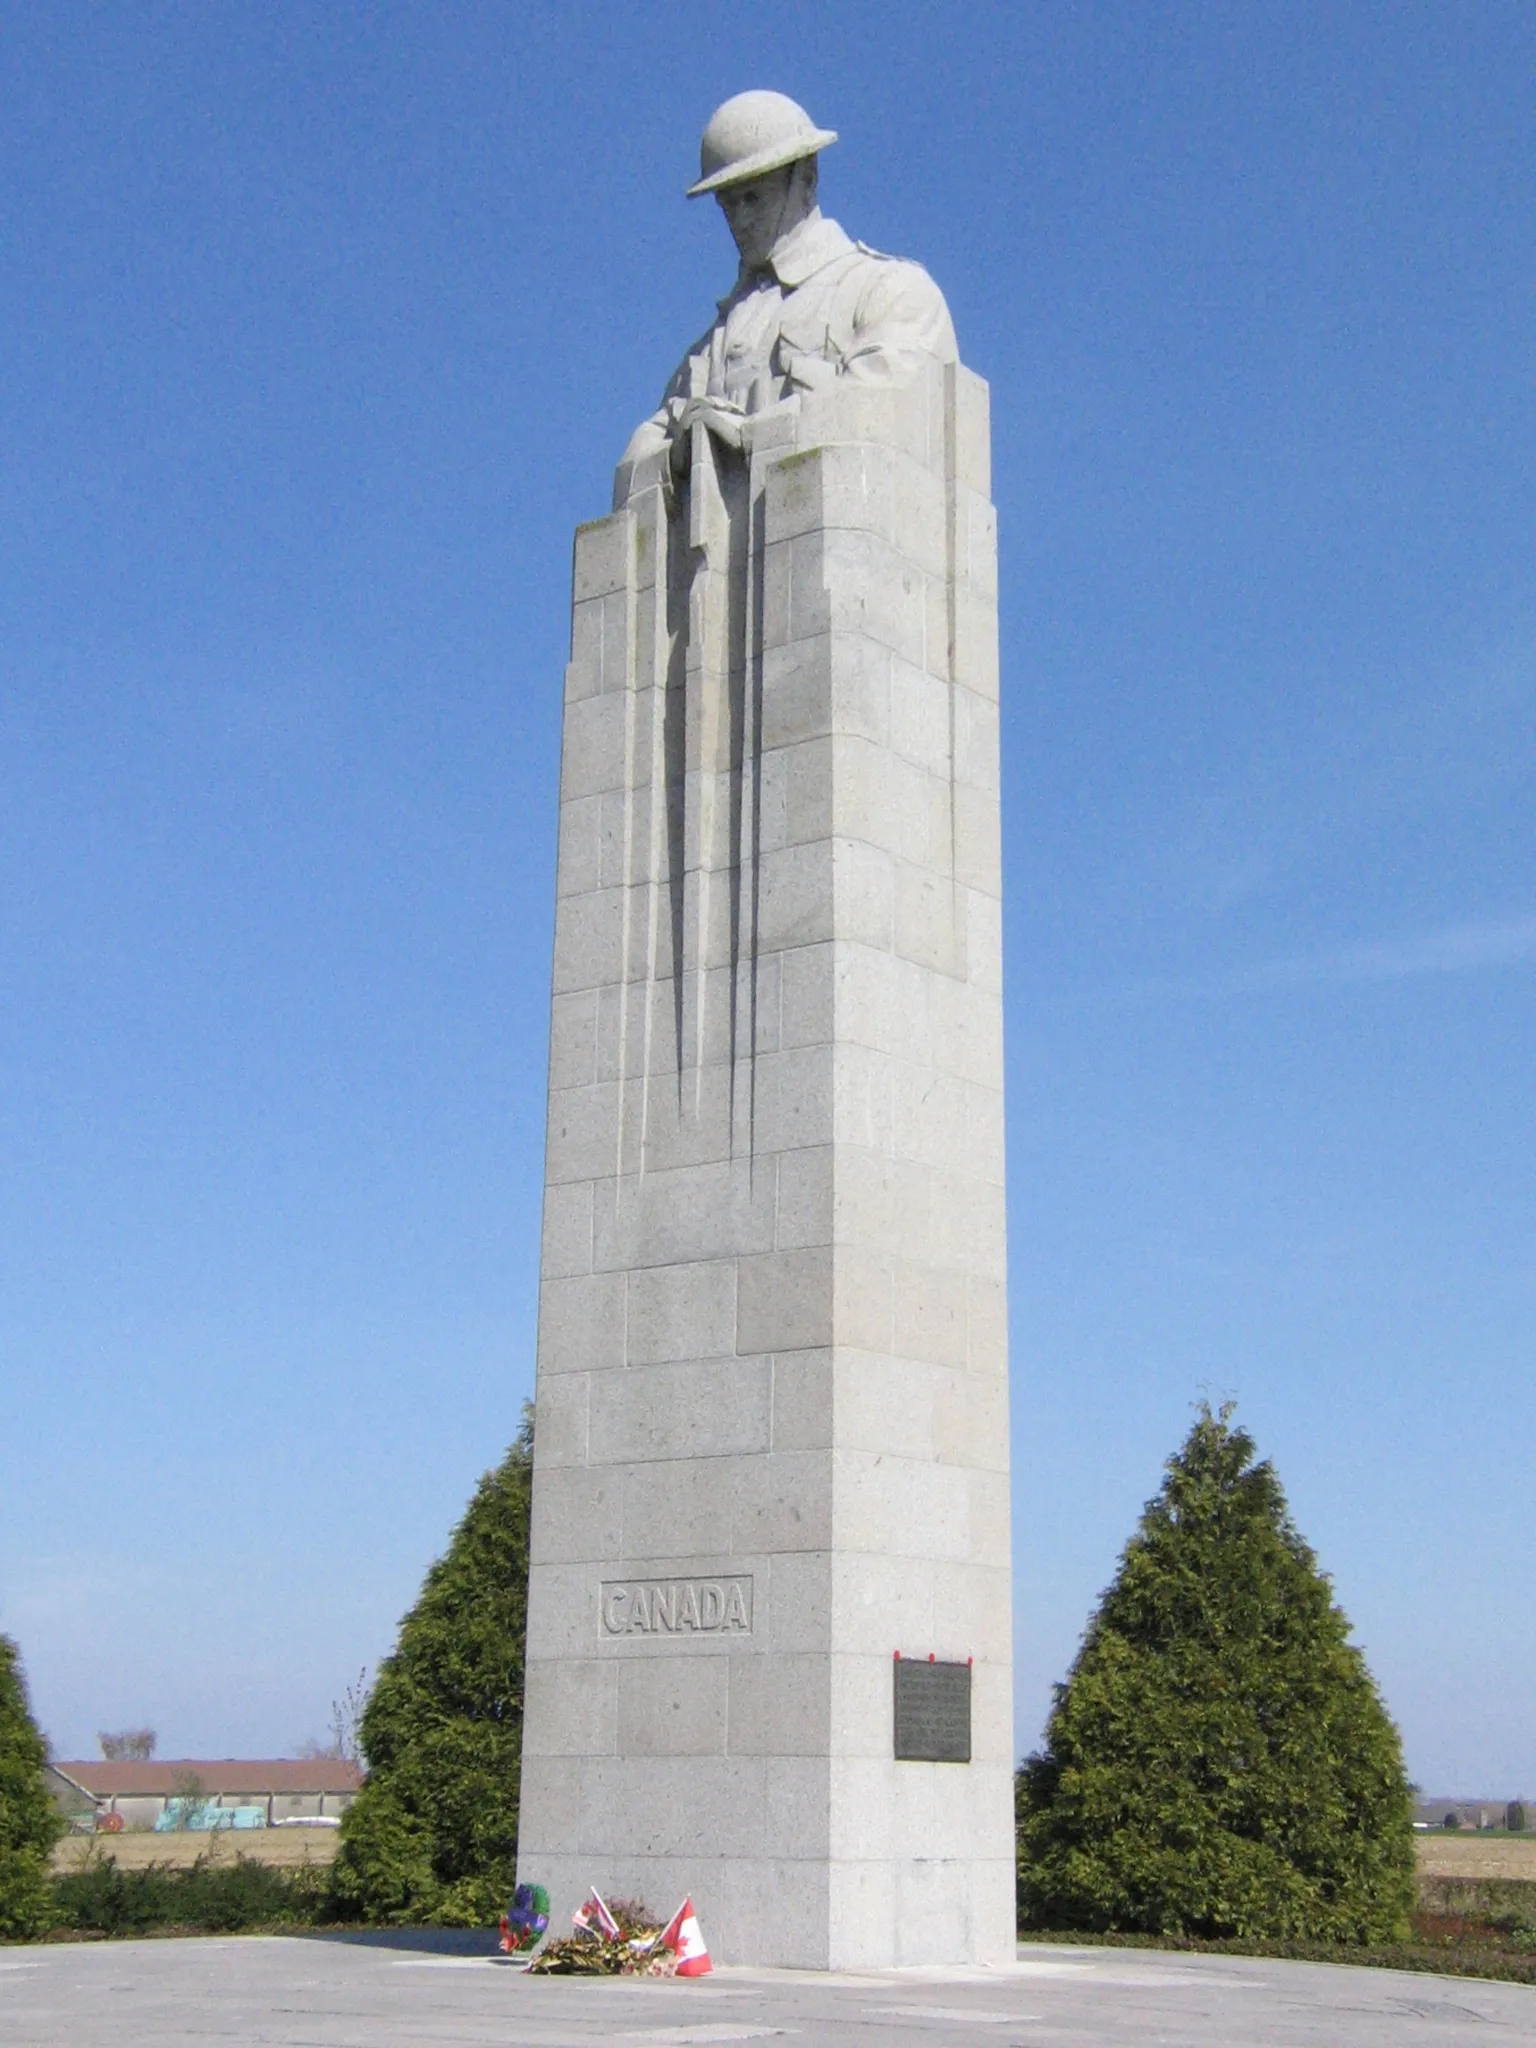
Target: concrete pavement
{"type": "Point", "coordinates": [433, 1991]}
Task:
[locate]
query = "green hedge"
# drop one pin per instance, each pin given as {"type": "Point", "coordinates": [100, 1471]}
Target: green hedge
{"type": "Point", "coordinates": [209, 1897]}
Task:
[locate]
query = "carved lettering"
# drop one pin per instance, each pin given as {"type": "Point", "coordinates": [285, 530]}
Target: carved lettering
{"type": "Point", "coordinates": [666, 1607]}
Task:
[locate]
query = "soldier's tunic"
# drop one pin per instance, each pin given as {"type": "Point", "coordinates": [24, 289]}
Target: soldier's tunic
{"type": "Point", "coordinates": [823, 306]}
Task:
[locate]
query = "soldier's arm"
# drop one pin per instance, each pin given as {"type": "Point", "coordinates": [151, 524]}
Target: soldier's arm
{"type": "Point", "coordinates": [650, 456]}
{"type": "Point", "coordinates": [900, 321]}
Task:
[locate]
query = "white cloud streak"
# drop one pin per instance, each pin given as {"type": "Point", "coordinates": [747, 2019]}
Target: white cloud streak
{"type": "Point", "coordinates": [1452, 949]}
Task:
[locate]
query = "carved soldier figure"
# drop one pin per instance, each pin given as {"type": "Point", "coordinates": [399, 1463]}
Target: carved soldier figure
{"type": "Point", "coordinates": [809, 304]}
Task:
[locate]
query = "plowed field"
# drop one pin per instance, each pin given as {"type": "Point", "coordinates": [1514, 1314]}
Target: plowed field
{"type": "Point", "coordinates": [1476, 1855]}
{"type": "Point", "coordinates": [285, 1846]}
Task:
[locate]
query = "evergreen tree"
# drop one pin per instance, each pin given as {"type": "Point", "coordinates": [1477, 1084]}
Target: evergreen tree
{"type": "Point", "coordinates": [432, 1835]}
{"type": "Point", "coordinates": [30, 1822]}
{"type": "Point", "coordinates": [1218, 1762]}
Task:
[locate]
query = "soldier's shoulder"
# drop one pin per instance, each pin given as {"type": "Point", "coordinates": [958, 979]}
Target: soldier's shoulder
{"type": "Point", "coordinates": [885, 256]}
{"type": "Point", "coordinates": [898, 278]}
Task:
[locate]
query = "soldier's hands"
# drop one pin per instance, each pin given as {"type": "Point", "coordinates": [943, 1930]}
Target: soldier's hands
{"type": "Point", "coordinates": [723, 419]}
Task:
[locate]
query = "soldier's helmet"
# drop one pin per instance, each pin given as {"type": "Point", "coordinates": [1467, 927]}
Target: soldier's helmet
{"type": "Point", "coordinates": [752, 134]}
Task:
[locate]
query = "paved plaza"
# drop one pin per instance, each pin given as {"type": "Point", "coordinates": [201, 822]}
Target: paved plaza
{"type": "Point", "coordinates": [362, 1993]}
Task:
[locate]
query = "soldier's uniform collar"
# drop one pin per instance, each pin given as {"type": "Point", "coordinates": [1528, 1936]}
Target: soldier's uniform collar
{"type": "Point", "coordinates": [804, 250]}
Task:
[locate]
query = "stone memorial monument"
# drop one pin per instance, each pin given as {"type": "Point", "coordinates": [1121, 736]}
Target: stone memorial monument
{"type": "Point", "coordinates": [769, 1654]}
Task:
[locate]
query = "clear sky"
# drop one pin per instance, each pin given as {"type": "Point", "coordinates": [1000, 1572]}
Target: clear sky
{"type": "Point", "coordinates": [323, 325]}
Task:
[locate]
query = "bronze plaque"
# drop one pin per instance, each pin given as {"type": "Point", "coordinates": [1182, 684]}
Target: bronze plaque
{"type": "Point", "coordinates": [933, 1712]}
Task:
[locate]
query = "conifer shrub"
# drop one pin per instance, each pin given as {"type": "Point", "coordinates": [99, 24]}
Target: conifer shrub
{"type": "Point", "coordinates": [432, 1835]}
{"type": "Point", "coordinates": [1218, 1763]}
{"type": "Point", "coordinates": [30, 1822]}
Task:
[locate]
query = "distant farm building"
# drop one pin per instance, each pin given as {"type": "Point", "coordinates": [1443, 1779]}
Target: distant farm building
{"type": "Point", "coordinates": [139, 1793]}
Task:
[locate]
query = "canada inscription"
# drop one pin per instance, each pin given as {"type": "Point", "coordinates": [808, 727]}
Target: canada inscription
{"type": "Point", "coordinates": [676, 1607]}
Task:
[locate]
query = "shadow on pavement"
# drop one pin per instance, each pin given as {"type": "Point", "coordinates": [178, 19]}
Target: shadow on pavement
{"type": "Point", "coordinates": [436, 1941]}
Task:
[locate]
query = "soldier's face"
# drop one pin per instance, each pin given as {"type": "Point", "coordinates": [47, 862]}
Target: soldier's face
{"type": "Point", "coordinates": [758, 213]}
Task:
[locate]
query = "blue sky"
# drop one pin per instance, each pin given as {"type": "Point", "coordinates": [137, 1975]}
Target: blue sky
{"type": "Point", "coordinates": [324, 325]}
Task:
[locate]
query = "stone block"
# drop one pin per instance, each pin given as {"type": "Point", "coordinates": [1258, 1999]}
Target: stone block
{"type": "Point", "coordinates": [975, 1600]}
{"type": "Point", "coordinates": [805, 1199]}
{"type": "Point", "coordinates": [920, 718]}
{"type": "Point", "coordinates": [785, 1300]}
{"type": "Point", "coordinates": [930, 926]}
{"type": "Point", "coordinates": [678, 1215]}
{"type": "Point", "coordinates": [986, 1324]}
{"type": "Point", "coordinates": [967, 1029]}
{"type": "Point", "coordinates": [562, 1418]}
{"type": "Point", "coordinates": [579, 867]}
{"type": "Point", "coordinates": [803, 1405]}
{"type": "Point", "coordinates": [978, 840]}
{"type": "Point", "coordinates": [783, 1502]}
{"type": "Point", "coordinates": [881, 1603]}
{"type": "Point", "coordinates": [984, 941]}
{"type": "Point", "coordinates": [863, 1299]}
{"type": "Point", "coordinates": [601, 557]}
{"type": "Point", "coordinates": [707, 1409]}
{"type": "Point", "coordinates": [798, 1611]}
{"type": "Point", "coordinates": [906, 1507]}
{"type": "Point", "coordinates": [884, 1404]}
{"type": "Point", "coordinates": [967, 1228]}
{"type": "Point", "coordinates": [571, 1704]}
{"type": "Point", "coordinates": [668, 1128]}
{"type": "Point", "coordinates": [681, 1312]}
{"type": "Point", "coordinates": [797, 1817]}
{"type": "Point", "coordinates": [679, 1508]}
{"type": "Point", "coordinates": [581, 1323]}
{"type": "Point", "coordinates": [794, 1098]}
{"type": "Point", "coordinates": [567, 1242]}
{"type": "Point", "coordinates": [676, 1806]}
{"type": "Point", "coordinates": [929, 1313]}
{"type": "Point", "coordinates": [594, 751]}
{"type": "Point", "coordinates": [589, 940]}
{"type": "Point", "coordinates": [882, 1004]}
{"type": "Point", "coordinates": [807, 990]}
{"type": "Point", "coordinates": [862, 1098]}
{"type": "Point", "coordinates": [672, 1706]}
{"type": "Point", "coordinates": [990, 1515]}
{"type": "Point", "coordinates": [578, 1514]}
{"type": "Point", "coordinates": [976, 543]}
{"type": "Point", "coordinates": [857, 583]}
{"type": "Point", "coordinates": [581, 1140]}
{"type": "Point", "coordinates": [882, 1203]}
{"type": "Point", "coordinates": [780, 1706]}
{"type": "Point", "coordinates": [971, 428]}
{"type": "Point", "coordinates": [928, 1115]}
{"type": "Point", "coordinates": [599, 646]}
{"type": "Point", "coordinates": [573, 1039]}
{"type": "Point", "coordinates": [795, 897]}
{"type": "Point", "coordinates": [970, 1418]}
{"type": "Point", "coordinates": [976, 739]}
{"type": "Point", "coordinates": [974, 625]}
{"type": "Point", "coordinates": [562, 1608]}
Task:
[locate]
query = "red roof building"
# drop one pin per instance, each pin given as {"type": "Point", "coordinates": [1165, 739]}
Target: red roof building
{"type": "Point", "coordinates": [290, 1788]}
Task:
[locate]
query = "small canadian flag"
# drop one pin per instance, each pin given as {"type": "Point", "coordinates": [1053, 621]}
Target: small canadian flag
{"type": "Point", "coordinates": [593, 1917]}
{"type": "Point", "coordinates": [682, 1933]}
